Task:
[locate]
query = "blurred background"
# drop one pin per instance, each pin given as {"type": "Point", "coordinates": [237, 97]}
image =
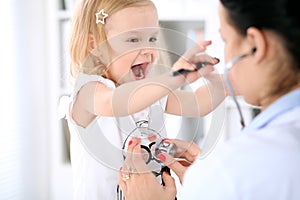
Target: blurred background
{"type": "Point", "coordinates": [34, 154]}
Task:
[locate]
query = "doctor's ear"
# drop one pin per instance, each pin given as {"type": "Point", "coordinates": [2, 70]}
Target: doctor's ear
{"type": "Point", "coordinates": [257, 39]}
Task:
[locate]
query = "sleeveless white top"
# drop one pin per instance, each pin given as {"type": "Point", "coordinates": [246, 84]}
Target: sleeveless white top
{"type": "Point", "coordinates": [96, 151]}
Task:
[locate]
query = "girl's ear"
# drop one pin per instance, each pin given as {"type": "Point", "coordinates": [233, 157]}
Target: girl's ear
{"type": "Point", "coordinates": [93, 47]}
{"type": "Point", "coordinates": [92, 43]}
{"type": "Point", "coordinates": [258, 42]}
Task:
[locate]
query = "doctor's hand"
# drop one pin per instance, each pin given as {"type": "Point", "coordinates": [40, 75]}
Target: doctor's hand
{"type": "Point", "coordinates": [186, 153]}
{"type": "Point", "coordinates": [137, 182]}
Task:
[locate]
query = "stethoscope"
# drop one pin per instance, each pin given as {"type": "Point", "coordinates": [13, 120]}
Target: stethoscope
{"type": "Point", "coordinates": [228, 66]}
{"type": "Point", "coordinates": [150, 150]}
{"type": "Point", "coordinates": [150, 147]}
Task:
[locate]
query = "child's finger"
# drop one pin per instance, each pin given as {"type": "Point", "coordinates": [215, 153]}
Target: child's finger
{"type": "Point", "coordinates": [196, 49]}
{"type": "Point", "coordinates": [206, 70]}
{"type": "Point", "coordinates": [203, 58]}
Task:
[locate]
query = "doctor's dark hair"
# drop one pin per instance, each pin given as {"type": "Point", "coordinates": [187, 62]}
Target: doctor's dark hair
{"type": "Point", "coordinates": [279, 16]}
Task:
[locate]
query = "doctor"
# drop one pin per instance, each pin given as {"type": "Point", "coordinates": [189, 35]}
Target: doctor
{"type": "Point", "coordinates": [263, 63]}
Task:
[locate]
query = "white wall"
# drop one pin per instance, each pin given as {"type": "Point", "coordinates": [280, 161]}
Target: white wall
{"type": "Point", "coordinates": [25, 83]}
{"type": "Point", "coordinates": [9, 153]}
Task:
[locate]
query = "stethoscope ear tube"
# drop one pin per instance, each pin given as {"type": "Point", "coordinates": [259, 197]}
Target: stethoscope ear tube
{"type": "Point", "coordinates": [231, 92]}
{"type": "Point", "coordinates": [228, 66]}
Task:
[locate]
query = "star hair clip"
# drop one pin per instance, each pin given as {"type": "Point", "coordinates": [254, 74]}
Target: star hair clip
{"type": "Point", "coordinates": [101, 16]}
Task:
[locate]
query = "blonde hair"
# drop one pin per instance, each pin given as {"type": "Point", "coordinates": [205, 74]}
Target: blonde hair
{"type": "Point", "coordinates": [84, 25]}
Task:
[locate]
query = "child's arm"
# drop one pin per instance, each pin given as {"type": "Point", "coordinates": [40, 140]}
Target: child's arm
{"type": "Point", "coordinates": [200, 102]}
{"type": "Point", "coordinates": [97, 99]}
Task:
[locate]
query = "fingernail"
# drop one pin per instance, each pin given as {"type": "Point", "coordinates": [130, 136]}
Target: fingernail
{"type": "Point", "coordinates": [161, 157]}
{"type": "Point", "coordinates": [137, 143]}
{"type": "Point", "coordinates": [217, 59]}
{"type": "Point", "coordinates": [166, 139]}
{"type": "Point", "coordinates": [130, 143]}
{"type": "Point", "coordinates": [152, 137]}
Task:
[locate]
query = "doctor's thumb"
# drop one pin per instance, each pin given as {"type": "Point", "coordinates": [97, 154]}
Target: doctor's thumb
{"type": "Point", "coordinates": [173, 164]}
{"type": "Point", "coordinates": [170, 186]}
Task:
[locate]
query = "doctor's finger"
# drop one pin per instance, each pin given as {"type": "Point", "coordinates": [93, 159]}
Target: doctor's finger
{"type": "Point", "coordinates": [184, 147]}
{"type": "Point", "coordinates": [121, 182]}
{"type": "Point", "coordinates": [128, 166]}
{"type": "Point", "coordinates": [178, 168]}
{"type": "Point", "coordinates": [138, 162]}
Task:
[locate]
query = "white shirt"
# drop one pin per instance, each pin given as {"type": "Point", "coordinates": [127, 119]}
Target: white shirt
{"type": "Point", "coordinates": [96, 150]}
{"type": "Point", "coordinates": [262, 163]}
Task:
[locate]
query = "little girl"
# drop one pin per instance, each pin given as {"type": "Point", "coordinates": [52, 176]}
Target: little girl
{"type": "Point", "coordinates": [113, 49]}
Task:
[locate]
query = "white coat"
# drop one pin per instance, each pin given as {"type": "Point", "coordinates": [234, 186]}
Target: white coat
{"type": "Point", "coordinates": [262, 163]}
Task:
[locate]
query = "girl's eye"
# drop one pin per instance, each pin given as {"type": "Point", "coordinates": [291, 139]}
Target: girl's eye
{"type": "Point", "coordinates": [152, 39]}
{"type": "Point", "coordinates": [133, 40]}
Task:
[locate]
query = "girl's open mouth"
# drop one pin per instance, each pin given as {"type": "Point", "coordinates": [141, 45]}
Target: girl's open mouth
{"type": "Point", "coordinates": [140, 70]}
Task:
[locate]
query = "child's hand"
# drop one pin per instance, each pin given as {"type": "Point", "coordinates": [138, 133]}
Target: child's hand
{"type": "Point", "coordinates": [193, 56]}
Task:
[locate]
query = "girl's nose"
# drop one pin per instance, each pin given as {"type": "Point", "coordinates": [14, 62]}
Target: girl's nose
{"type": "Point", "coordinates": [147, 51]}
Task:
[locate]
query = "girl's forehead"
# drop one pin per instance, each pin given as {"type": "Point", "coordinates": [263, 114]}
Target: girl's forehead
{"type": "Point", "coordinates": [131, 18]}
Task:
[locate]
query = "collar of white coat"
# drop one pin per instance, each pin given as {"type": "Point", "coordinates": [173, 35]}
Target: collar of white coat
{"type": "Point", "coordinates": [280, 106]}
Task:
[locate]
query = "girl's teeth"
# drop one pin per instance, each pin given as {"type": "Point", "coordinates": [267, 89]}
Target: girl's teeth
{"type": "Point", "coordinates": [141, 73]}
